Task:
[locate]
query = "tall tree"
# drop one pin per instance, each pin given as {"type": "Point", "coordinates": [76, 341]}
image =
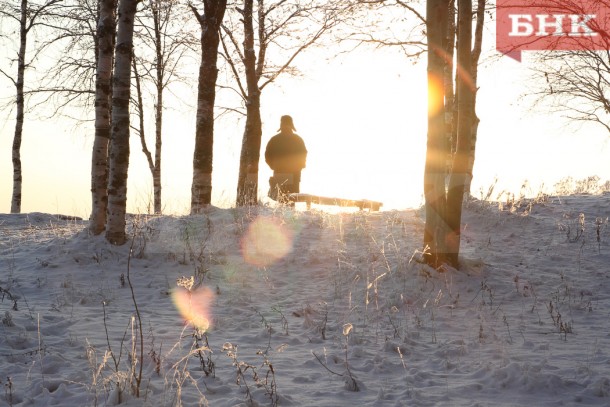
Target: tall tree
{"type": "Point", "coordinates": [247, 182]}
{"type": "Point", "coordinates": [29, 16]}
{"type": "Point", "coordinates": [210, 22]}
{"type": "Point", "coordinates": [452, 121]}
{"type": "Point", "coordinates": [450, 145]}
{"type": "Point", "coordinates": [79, 77]}
{"type": "Point", "coordinates": [162, 39]}
{"type": "Point", "coordinates": [292, 26]}
{"type": "Point", "coordinates": [99, 158]}
{"type": "Point", "coordinates": [474, 64]}
{"type": "Point", "coordinates": [460, 172]}
{"type": "Point", "coordinates": [436, 229]}
{"type": "Point", "coordinates": [119, 138]}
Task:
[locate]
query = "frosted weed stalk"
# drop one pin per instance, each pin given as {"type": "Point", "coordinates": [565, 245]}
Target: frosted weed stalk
{"type": "Point", "coordinates": [131, 378]}
{"type": "Point", "coordinates": [197, 247]}
{"type": "Point", "coordinates": [179, 373]}
{"type": "Point", "coordinates": [349, 379]}
{"type": "Point", "coordinates": [242, 368]}
{"type": "Point", "coordinates": [589, 185]}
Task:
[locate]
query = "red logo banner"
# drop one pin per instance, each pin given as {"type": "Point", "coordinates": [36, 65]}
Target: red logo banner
{"type": "Point", "coordinates": [536, 25]}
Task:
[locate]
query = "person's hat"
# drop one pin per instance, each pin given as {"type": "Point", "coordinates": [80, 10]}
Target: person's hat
{"type": "Point", "coordinates": [286, 121]}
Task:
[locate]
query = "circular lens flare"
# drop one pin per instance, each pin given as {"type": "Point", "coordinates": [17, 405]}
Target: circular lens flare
{"type": "Point", "coordinates": [266, 241]}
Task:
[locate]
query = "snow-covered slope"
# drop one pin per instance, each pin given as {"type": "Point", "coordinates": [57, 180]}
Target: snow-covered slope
{"type": "Point", "coordinates": [304, 308]}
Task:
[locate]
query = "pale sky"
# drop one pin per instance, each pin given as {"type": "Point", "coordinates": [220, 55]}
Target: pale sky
{"type": "Point", "coordinates": [363, 118]}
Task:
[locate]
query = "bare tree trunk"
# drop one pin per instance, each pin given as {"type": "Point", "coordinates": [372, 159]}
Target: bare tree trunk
{"type": "Point", "coordinates": [27, 16]}
{"type": "Point", "coordinates": [434, 172]}
{"type": "Point", "coordinates": [247, 185]}
{"type": "Point", "coordinates": [247, 182]}
{"type": "Point", "coordinates": [99, 159]}
{"type": "Point", "coordinates": [459, 172]}
{"type": "Point", "coordinates": [119, 141]}
{"type": "Point", "coordinates": [156, 175]}
{"type": "Point", "coordinates": [16, 154]}
{"type": "Point", "coordinates": [160, 67]}
{"type": "Point", "coordinates": [210, 21]}
{"type": "Point", "coordinates": [139, 103]}
{"type": "Point", "coordinates": [476, 53]}
{"type": "Point", "coordinates": [450, 90]}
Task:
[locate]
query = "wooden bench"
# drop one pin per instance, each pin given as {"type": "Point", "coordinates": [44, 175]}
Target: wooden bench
{"type": "Point", "coordinates": [309, 199]}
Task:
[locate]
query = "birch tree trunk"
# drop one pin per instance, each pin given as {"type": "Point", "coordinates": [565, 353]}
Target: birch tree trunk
{"type": "Point", "coordinates": [119, 139]}
{"type": "Point", "coordinates": [435, 230]}
{"type": "Point", "coordinates": [139, 106]}
{"type": "Point", "coordinates": [460, 172]}
{"type": "Point", "coordinates": [99, 160]}
{"type": "Point", "coordinates": [476, 53]}
{"type": "Point", "coordinates": [160, 68]}
{"type": "Point", "coordinates": [16, 152]}
{"type": "Point", "coordinates": [27, 16]}
{"type": "Point", "coordinates": [247, 182]}
{"type": "Point", "coordinates": [159, 29]}
{"type": "Point", "coordinates": [210, 21]}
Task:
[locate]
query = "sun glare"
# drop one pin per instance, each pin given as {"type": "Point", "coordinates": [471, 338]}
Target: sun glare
{"type": "Point", "coordinates": [363, 122]}
{"type": "Point", "coordinates": [435, 94]}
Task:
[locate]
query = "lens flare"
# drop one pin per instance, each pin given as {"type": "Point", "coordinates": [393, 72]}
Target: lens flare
{"type": "Point", "coordinates": [194, 305]}
{"type": "Point", "coordinates": [436, 99]}
{"type": "Point", "coordinates": [266, 241]}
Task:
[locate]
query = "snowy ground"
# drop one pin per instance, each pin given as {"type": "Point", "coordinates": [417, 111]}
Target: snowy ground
{"type": "Point", "coordinates": [297, 308]}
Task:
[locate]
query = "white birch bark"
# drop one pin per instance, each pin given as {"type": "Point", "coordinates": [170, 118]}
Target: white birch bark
{"type": "Point", "coordinates": [160, 69]}
{"type": "Point", "coordinates": [99, 159]}
{"type": "Point", "coordinates": [16, 153]}
{"type": "Point", "coordinates": [119, 139]}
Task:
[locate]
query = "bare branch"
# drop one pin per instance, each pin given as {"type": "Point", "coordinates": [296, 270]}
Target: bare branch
{"type": "Point", "coordinates": [420, 17]}
{"type": "Point", "coordinates": [8, 77]}
{"type": "Point", "coordinates": [232, 64]}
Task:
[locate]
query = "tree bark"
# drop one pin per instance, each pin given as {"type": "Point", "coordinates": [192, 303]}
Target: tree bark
{"type": "Point", "coordinates": [450, 89]}
{"type": "Point", "coordinates": [99, 159]}
{"type": "Point", "coordinates": [210, 21]}
{"type": "Point", "coordinates": [460, 171]}
{"type": "Point", "coordinates": [476, 53]}
{"type": "Point", "coordinates": [16, 152]}
{"type": "Point", "coordinates": [247, 182]}
{"type": "Point", "coordinates": [435, 229]}
{"type": "Point", "coordinates": [119, 140]}
{"type": "Point", "coordinates": [160, 68]}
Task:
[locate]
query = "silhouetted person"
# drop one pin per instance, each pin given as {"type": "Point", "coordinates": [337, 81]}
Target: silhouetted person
{"type": "Point", "coordinates": [286, 156]}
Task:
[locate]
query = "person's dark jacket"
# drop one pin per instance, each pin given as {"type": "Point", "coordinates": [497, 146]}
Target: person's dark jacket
{"type": "Point", "coordinates": [286, 153]}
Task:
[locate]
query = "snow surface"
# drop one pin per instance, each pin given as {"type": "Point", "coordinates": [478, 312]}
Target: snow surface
{"type": "Point", "coordinates": [303, 308]}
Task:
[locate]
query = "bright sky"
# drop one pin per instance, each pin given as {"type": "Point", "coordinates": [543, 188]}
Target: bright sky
{"type": "Point", "coordinates": [363, 118]}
